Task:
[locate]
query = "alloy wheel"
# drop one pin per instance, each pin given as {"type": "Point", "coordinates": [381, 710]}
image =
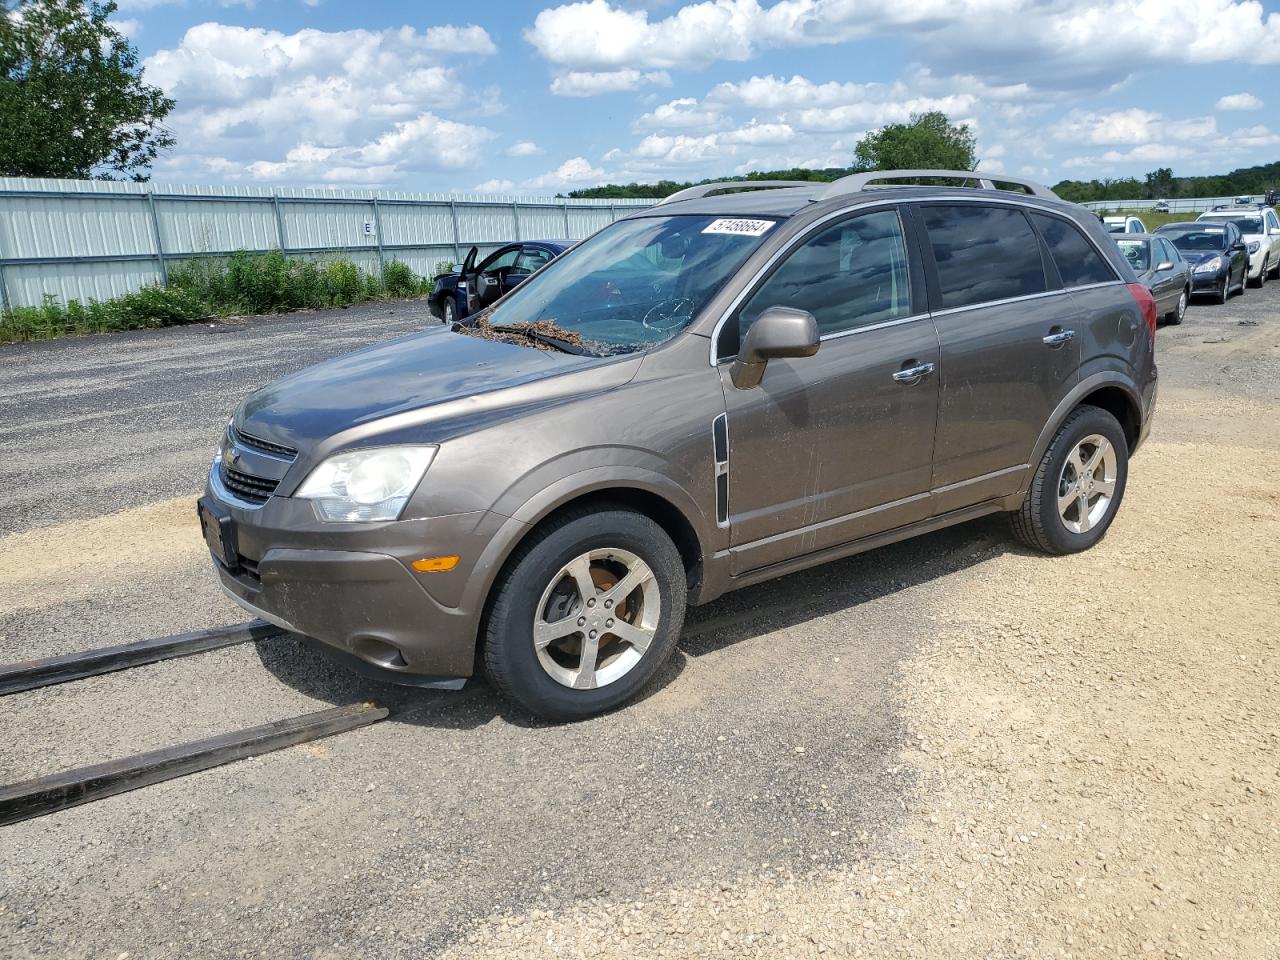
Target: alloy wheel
{"type": "Point", "coordinates": [449, 311]}
{"type": "Point", "coordinates": [596, 618]}
{"type": "Point", "coordinates": [1182, 305]}
{"type": "Point", "coordinates": [1087, 484]}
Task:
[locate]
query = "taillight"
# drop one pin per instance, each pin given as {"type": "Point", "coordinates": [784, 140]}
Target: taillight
{"type": "Point", "coordinates": [1146, 303]}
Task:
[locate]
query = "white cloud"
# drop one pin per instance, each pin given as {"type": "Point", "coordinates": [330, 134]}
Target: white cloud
{"type": "Point", "coordinates": [576, 171]}
{"type": "Point", "coordinates": [1091, 43]}
{"type": "Point", "coordinates": [524, 148]}
{"type": "Point", "coordinates": [685, 113]}
{"type": "Point", "coordinates": [580, 83]}
{"type": "Point", "coordinates": [494, 186]}
{"type": "Point", "coordinates": [315, 106]}
{"type": "Point", "coordinates": [1238, 101]}
{"type": "Point", "coordinates": [1134, 126]}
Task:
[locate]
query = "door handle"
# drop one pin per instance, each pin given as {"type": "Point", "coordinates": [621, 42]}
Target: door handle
{"type": "Point", "coordinates": [1059, 338]}
{"type": "Point", "coordinates": [913, 374]}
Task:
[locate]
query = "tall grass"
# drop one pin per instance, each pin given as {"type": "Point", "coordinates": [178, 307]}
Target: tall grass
{"type": "Point", "coordinates": [271, 282]}
{"type": "Point", "coordinates": [244, 283]}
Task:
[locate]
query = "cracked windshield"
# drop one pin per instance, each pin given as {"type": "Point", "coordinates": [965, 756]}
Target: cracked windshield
{"type": "Point", "coordinates": [631, 286]}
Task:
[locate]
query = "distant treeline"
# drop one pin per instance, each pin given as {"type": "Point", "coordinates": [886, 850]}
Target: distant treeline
{"type": "Point", "coordinates": [1159, 184]}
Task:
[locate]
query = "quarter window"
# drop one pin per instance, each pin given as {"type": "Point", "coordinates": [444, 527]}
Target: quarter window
{"type": "Point", "coordinates": [983, 253]}
{"type": "Point", "coordinates": [1078, 261]}
{"type": "Point", "coordinates": [851, 275]}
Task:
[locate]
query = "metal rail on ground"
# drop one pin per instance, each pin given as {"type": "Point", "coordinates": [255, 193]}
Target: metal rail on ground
{"type": "Point", "coordinates": [31, 674]}
{"type": "Point", "coordinates": [58, 791]}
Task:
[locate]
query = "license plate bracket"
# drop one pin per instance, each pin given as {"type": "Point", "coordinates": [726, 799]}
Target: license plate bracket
{"type": "Point", "coordinates": [219, 532]}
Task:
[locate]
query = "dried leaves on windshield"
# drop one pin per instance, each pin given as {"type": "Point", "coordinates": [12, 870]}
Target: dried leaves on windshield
{"type": "Point", "coordinates": [478, 325]}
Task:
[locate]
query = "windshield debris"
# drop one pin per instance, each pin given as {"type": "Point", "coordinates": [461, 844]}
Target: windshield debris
{"type": "Point", "coordinates": [540, 335]}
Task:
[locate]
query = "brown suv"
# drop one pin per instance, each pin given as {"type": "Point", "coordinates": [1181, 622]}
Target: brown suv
{"type": "Point", "coordinates": [712, 392]}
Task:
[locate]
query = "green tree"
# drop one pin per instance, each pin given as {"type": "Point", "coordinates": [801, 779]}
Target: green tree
{"type": "Point", "coordinates": [1159, 183]}
{"type": "Point", "coordinates": [72, 100]}
{"type": "Point", "coordinates": [928, 141]}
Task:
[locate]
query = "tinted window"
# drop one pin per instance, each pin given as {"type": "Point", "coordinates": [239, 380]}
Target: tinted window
{"type": "Point", "coordinates": [1135, 226]}
{"type": "Point", "coordinates": [1079, 263]}
{"type": "Point", "coordinates": [530, 259]}
{"type": "Point", "coordinates": [851, 275]}
{"type": "Point", "coordinates": [983, 253]}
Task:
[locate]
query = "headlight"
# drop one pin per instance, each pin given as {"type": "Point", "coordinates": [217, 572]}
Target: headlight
{"type": "Point", "coordinates": [1253, 247]}
{"type": "Point", "coordinates": [369, 484]}
{"type": "Point", "coordinates": [1210, 266]}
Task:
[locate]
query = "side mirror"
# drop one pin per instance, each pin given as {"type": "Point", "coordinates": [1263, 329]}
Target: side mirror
{"type": "Point", "coordinates": [1238, 245]}
{"type": "Point", "coordinates": [1161, 267]}
{"type": "Point", "coordinates": [778, 332]}
{"type": "Point", "coordinates": [1274, 232]}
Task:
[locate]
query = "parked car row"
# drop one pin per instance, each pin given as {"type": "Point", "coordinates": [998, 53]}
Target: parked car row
{"type": "Point", "coordinates": [1219, 254]}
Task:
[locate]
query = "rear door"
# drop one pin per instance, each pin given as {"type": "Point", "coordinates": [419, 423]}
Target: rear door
{"type": "Point", "coordinates": [837, 446]}
{"type": "Point", "coordinates": [1008, 345]}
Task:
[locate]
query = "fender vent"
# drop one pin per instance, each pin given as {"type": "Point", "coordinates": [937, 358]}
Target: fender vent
{"type": "Point", "coordinates": [720, 448]}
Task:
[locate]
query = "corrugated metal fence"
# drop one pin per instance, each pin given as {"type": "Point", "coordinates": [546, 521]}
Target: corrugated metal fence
{"type": "Point", "coordinates": [87, 239]}
{"type": "Point", "coordinates": [1185, 205]}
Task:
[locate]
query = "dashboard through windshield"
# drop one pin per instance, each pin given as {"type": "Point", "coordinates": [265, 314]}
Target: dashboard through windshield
{"type": "Point", "coordinates": [636, 283]}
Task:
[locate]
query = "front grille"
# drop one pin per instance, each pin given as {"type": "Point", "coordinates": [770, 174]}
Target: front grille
{"type": "Point", "coordinates": [264, 446]}
{"type": "Point", "coordinates": [246, 486]}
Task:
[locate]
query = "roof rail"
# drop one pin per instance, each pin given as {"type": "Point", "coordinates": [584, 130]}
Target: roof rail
{"type": "Point", "coordinates": [704, 189]}
{"type": "Point", "coordinates": [859, 181]}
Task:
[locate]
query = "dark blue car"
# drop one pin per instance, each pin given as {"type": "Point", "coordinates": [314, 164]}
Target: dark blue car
{"type": "Point", "coordinates": [470, 288]}
{"type": "Point", "coordinates": [1215, 252]}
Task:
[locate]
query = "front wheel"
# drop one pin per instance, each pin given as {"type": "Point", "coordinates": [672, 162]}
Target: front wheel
{"type": "Point", "coordinates": [585, 613]}
{"type": "Point", "coordinates": [1078, 485]}
{"type": "Point", "coordinates": [1223, 291]}
{"type": "Point", "coordinates": [1179, 312]}
{"type": "Point", "coordinates": [450, 310]}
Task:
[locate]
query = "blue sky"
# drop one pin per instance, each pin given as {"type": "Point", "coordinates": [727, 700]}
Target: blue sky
{"type": "Point", "coordinates": [537, 97]}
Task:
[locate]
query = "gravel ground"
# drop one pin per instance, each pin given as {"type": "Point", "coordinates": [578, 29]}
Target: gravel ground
{"type": "Point", "coordinates": [949, 747]}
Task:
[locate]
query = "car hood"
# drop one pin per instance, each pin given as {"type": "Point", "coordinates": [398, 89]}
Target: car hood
{"type": "Point", "coordinates": [1199, 256]}
{"type": "Point", "coordinates": [397, 380]}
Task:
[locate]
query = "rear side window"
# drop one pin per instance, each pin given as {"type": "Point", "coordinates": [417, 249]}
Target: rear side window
{"type": "Point", "coordinates": [1079, 263]}
{"type": "Point", "coordinates": [983, 253]}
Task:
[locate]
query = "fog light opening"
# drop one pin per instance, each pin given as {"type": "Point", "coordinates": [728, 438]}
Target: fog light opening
{"type": "Point", "coordinates": [380, 652]}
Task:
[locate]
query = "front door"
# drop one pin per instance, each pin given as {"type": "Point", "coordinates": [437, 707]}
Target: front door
{"type": "Point", "coordinates": [1009, 345]}
{"type": "Point", "coordinates": [837, 446]}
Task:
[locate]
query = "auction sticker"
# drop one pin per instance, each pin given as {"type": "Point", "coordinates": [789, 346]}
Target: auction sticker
{"type": "Point", "coordinates": [739, 227]}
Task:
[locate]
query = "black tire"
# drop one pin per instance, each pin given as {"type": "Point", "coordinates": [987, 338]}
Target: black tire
{"type": "Point", "coordinates": [509, 657]}
{"type": "Point", "coordinates": [1179, 312]}
{"type": "Point", "coordinates": [1220, 295]}
{"type": "Point", "coordinates": [1262, 275]}
{"type": "Point", "coordinates": [1038, 522]}
{"type": "Point", "coordinates": [449, 308]}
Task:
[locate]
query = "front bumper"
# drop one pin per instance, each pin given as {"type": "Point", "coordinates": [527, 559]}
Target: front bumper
{"type": "Point", "coordinates": [351, 586]}
{"type": "Point", "coordinates": [1206, 282]}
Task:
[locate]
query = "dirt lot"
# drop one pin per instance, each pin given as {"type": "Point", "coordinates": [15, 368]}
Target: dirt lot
{"type": "Point", "coordinates": [946, 748]}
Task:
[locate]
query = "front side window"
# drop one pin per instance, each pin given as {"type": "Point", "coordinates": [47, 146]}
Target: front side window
{"type": "Point", "coordinates": [1078, 261]}
{"type": "Point", "coordinates": [851, 275]}
{"type": "Point", "coordinates": [983, 253]}
{"type": "Point", "coordinates": [635, 283]}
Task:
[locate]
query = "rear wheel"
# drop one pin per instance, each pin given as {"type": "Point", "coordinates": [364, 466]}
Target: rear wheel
{"type": "Point", "coordinates": [1179, 312]}
{"type": "Point", "coordinates": [585, 613]}
{"type": "Point", "coordinates": [1078, 485]}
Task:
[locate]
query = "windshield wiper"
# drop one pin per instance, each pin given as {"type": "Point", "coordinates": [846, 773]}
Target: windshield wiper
{"type": "Point", "coordinates": [564, 346]}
